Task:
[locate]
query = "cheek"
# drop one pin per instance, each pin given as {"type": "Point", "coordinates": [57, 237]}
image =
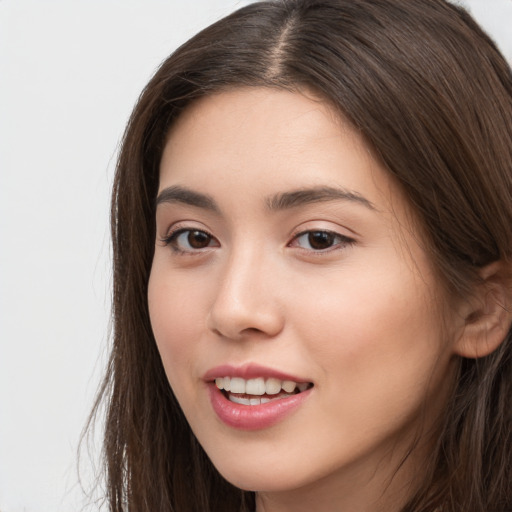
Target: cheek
{"type": "Point", "coordinates": [177, 321]}
{"type": "Point", "coordinates": [377, 338]}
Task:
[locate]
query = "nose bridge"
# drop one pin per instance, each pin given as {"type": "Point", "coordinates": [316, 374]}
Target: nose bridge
{"type": "Point", "coordinates": [245, 300]}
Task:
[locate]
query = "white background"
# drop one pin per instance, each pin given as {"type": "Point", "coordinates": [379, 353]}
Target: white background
{"type": "Point", "coordinates": [70, 72]}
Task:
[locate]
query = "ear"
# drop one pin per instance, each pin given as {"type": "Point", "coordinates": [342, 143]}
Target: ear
{"type": "Point", "coordinates": [488, 314]}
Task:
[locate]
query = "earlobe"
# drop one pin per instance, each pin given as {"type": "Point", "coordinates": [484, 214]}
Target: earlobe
{"type": "Point", "coordinates": [488, 317]}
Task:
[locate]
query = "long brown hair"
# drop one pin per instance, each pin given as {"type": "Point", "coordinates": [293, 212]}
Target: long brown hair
{"type": "Point", "coordinates": [432, 96]}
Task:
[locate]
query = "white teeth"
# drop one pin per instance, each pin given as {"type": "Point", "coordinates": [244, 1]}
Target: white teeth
{"type": "Point", "coordinates": [289, 386]}
{"type": "Point", "coordinates": [255, 386]}
{"type": "Point", "coordinates": [239, 400]}
{"type": "Point", "coordinates": [237, 385]}
{"type": "Point", "coordinates": [272, 386]}
{"type": "Point", "coordinates": [259, 386]}
{"type": "Point", "coordinates": [253, 401]}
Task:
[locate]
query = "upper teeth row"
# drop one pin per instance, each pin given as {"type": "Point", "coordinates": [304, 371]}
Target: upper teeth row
{"type": "Point", "coordinates": [258, 386]}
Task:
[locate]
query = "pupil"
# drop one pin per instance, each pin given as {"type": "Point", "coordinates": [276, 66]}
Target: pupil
{"type": "Point", "coordinates": [320, 239]}
{"type": "Point", "coordinates": [198, 239]}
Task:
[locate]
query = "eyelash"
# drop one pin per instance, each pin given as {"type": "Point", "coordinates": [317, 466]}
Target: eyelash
{"type": "Point", "coordinates": [171, 240]}
{"type": "Point", "coordinates": [342, 241]}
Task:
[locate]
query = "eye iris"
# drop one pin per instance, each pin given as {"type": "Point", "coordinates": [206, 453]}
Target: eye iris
{"type": "Point", "coordinates": [198, 239]}
{"type": "Point", "coordinates": [320, 239]}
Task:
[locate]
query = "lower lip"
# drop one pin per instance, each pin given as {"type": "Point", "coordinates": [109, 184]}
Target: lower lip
{"type": "Point", "coordinates": [253, 417]}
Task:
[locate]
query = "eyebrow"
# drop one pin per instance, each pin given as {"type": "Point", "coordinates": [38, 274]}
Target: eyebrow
{"type": "Point", "coordinates": [287, 200]}
{"type": "Point", "coordinates": [178, 194]}
{"type": "Point", "coordinates": [277, 202]}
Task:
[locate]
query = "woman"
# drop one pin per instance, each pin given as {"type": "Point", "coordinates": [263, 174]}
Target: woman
{"type": "Point", "coordinates": [312, 267]}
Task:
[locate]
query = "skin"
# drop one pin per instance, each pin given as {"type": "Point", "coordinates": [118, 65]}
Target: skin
{"type": "Point", "coordinates": [360, 318]}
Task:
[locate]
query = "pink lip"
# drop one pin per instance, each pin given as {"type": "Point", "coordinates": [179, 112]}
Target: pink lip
{"type": "Point", "coordinates": [248, 371]}
{"type": "Point", "coordinates": [251, 417]}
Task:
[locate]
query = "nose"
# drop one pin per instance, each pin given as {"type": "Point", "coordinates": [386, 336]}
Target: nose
{"type": "Point", "coordinates": [247, 300]}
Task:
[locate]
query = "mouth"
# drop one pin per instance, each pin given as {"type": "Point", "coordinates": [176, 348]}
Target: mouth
{"type": "Point", "coordinates": [259, 390]}
{"type": "Point", "coordinates": [254, 397]}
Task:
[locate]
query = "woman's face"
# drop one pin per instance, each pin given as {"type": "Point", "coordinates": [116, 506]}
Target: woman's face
{"type": "Point", "coordinates": [284, 252]}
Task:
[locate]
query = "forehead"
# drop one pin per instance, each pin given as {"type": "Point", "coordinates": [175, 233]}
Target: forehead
{"type": "Point", "coordinates": [270, 137]}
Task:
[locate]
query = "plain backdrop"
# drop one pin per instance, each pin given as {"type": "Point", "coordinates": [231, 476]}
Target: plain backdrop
{"type": "Point", "coordinates": [70, 72]}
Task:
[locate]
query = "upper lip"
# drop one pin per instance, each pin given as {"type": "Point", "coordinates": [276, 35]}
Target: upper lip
{"type": "Point", "coordinates": [249, 371]}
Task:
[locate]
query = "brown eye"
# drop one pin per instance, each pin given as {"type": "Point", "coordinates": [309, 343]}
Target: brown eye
{"type": "Point", "coordinates": [198, 239]}
{"type": "Point", "coordinates": [190, 240]}
{"type": "Point", "coordinates": [318, 241]}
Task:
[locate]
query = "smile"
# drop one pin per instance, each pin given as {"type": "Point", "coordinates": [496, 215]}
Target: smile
{"type": "Point", "coordinates": [258, 391]}
{"type": "Point", "coordinates": [252, 397]}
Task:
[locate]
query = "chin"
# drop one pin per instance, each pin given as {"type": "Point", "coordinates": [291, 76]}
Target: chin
{"type": "Point", "coordinates": [269, 477]}
{"type": "Point", "coordinates": [258, 482]}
